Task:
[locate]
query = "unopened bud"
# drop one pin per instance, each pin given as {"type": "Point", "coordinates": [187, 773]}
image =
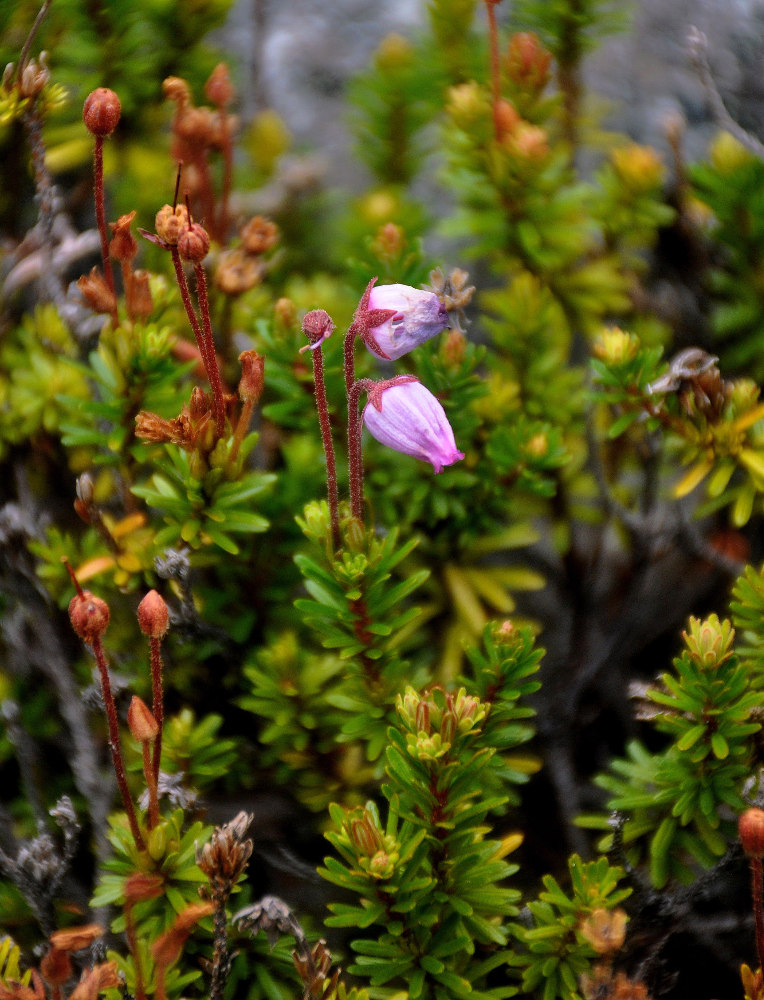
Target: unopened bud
{"type": "Point", "coordinates": [89, 616]}
{"type": "Point", "coordinates": [218, 87]}
{"type": "Point", "coordinates": [101, 112]}
{"type": "Point", "coordinates": [141, 721]}
{"type": "Point", "coordinates": [750, 828]}
{"type": "Point", "coordinates": [153, 616]}
{"type": "Point", "coordinates": [252, 376]}
{"type": "Point", "coordinates": [194, 243]}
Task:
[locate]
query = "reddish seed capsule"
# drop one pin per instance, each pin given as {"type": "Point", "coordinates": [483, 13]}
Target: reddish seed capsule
{"type": "Point", "coordinates": [750, 828]}
{"type": "Point", "coordinates": [89, 616]}
{"type": "Point", "coordinates": [194, 244]}
{"type": "Point", "coordinates": [153, 616]}
{"type": "Point", "coordinates": [101, 112]}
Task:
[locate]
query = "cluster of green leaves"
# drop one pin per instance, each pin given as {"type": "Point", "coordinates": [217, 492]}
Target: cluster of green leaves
{"type": "Point", "coordinates": [678, 803]}
{"type": "Point", "coordinates": [206, 502]}
{"type": "Point", "coordinates": [38, 367]}
{"type": "Point", "coordinates": [356, 607]}
{"type": "Point", "coordinates": [428, 877]}
{"type": "Point", "coordinates": [558, 951]}
{"type": "Point", "coordinates": [728, 184]}
{"type": "Point", "coordinates": [713, 426]}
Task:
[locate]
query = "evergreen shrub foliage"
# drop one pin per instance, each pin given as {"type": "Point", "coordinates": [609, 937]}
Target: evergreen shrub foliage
{"type": "Point", "coordinates": [361, 626]}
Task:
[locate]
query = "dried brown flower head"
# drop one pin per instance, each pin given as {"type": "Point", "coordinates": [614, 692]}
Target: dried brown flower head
{"type": "Point", "coordinates": [605, 930]}
{"type": "Point", "coordinates": [96, 292]}
{"type": "Point", "coordinates": [224, 857]}
{"type": "Point", "coordinates": [259, 235]}
{"type": "Point", "coordinates": [252, 376]}
{"type": "Point", "coordinates": [123, 246]}
{"type": "Point", "coordinates": [237, 272]}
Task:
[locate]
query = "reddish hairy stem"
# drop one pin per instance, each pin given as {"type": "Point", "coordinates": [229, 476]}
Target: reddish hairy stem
{"type": "Point", "coordinates": [151, 784]}
{"type": "Point", "coordinates": [157, 702]}
{"type": "Point", "coordinates": [758, 914]}
{"type": "Point", "coordinates": [326, 437]}
{"type": "Point", "coordinates": [101, 211]}
{"type": "Point", "coordinates": [213, 372]}
{"type": "Point", "coordinates": [115, 743]}
{"type": "Point", "coordinates": [355, 459]}
{"type": "Point", "coordinates": [493, 34]}
{"type": "Point", "coordinates": [204, 342]}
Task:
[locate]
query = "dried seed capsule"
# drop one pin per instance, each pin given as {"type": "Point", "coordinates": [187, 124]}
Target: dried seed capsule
{"type": "Point", "coordinates": [194, 244]}
{"type": "Point", "coordinates": [101, 112]}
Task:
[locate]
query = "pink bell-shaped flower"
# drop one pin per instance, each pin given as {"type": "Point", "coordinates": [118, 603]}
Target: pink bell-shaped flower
{"type": "Point", "coordinates": [416, 316]}
{"type": "Point", "coordinates": [405, 416]}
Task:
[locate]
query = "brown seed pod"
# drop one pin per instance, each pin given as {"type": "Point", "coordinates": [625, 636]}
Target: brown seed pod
{"type": "Point", "coordinates": [194, 244]}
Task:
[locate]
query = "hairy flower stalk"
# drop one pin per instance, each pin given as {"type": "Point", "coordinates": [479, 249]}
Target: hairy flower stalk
{"type": "Point", "coordinates": [317, 326]}
{"type": "Point", "coordinates": [101, 113]}
{"type": "Point", "coordinates": [89, 616]}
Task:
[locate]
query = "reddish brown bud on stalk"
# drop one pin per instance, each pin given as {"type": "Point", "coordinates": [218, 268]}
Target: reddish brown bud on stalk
{"type": "Point", "coordinates": [101, 112]}
{"type": "Point", "coordinates": [140, 719]}
{"type": "Point", "coordinates": [237, 272]}
{"type": "Point", "coordinates": [750, 827]}
{"type": "Point", "coordinates": [194, 244]}
{"type": "Point", "coordinates": [153, 616]}
{"type": "Point", "coordinates": [89, 616]}
{"type": "Point", "coordinates": [259, 235]}
{"type": "Point", "coordinates": [218, 87]}
{"type": "Point", "coordinates": [252, 376]}
{"type": "Point", "coordinates": [96, 292]}
{"type": "Point", "coordinates": [123, 246]}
